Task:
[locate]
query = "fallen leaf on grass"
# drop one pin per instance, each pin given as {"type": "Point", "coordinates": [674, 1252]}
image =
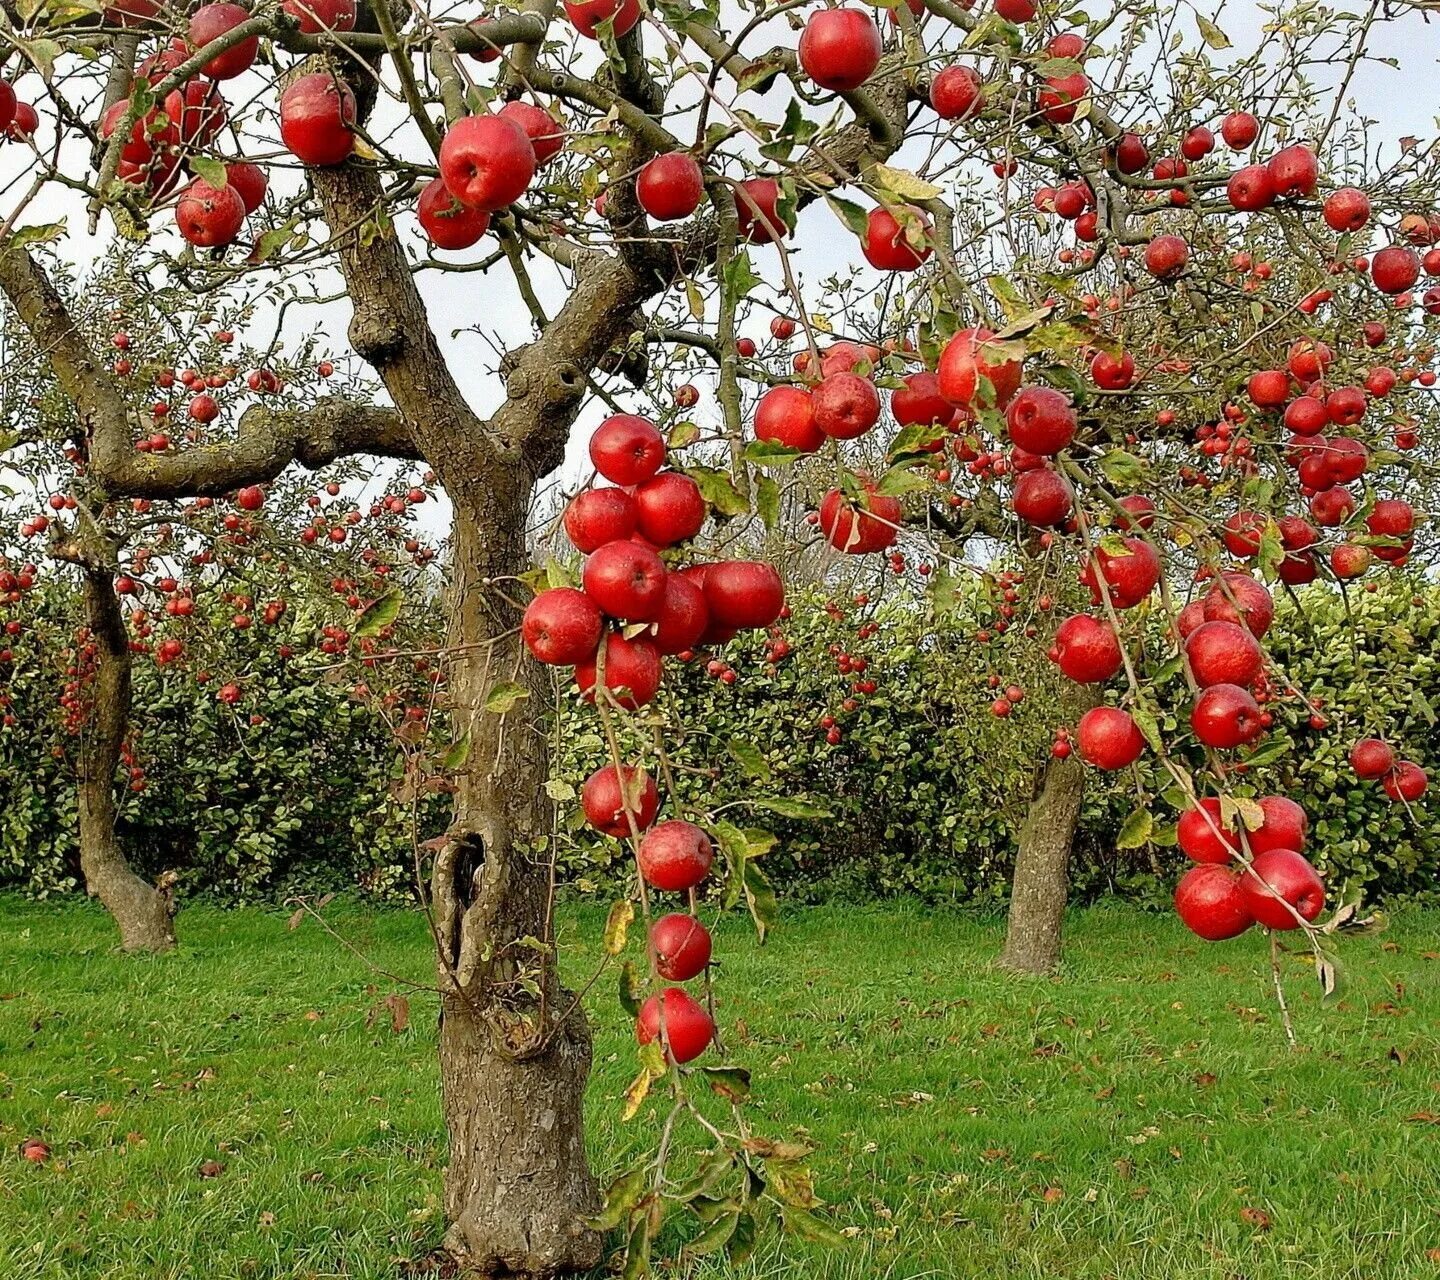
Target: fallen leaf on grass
{"type": "Point", "coordinates": [211, 1169]}
{"type": "Point", "coordinates": [1256, 1218]}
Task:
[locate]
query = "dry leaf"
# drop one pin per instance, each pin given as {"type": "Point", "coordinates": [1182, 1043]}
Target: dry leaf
{"type": "Point", "coordinates": [1256, 1218]}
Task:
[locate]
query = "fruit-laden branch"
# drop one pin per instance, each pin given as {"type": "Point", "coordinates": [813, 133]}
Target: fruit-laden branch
{"type": "Point", "coordinates": [267, 441]}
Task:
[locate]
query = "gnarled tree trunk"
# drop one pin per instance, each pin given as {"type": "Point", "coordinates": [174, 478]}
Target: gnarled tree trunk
{"type": "Point", "coordinates": [513, 1063]}
{"type": "Point", "coordinates": [144, 913]}
{"type": "Point", "coordinates": [1042, 863]}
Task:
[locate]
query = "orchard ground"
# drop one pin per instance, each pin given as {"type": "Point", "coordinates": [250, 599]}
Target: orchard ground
{"type": "Point", "coordinates": [1139, 1117]}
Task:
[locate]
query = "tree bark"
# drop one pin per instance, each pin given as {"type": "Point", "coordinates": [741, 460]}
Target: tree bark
{"type": "Point", "coordinates": [514, 1044]}
{"type": "Point", "coordinates": [1042, 863]}
{"type": "Point", "coordinates": [144, 913]}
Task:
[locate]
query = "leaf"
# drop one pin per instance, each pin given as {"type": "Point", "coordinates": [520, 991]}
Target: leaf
{"type": "Point", "coordinates": [617, 926]}
{"type": "Point", "coordinates": [211, 170]}
{"type": "Point", "coordinates": [503, 696]}
{"type": "Point", "coordinates": [750, 758]}
{"type": "Point", "coordinates": [767, 501]}
{"type": "Point", "coordinates": [635, 1094]}
{"type": "Point", "coordinates": [742, 1242]}
{"type": "Point", "coordinates": [379, 614]}
{"type": "Point", "coordinates": [740, 277]}
{"type": "Point", "coordinates": [902, 182]}
{"type": "Point", "coordinates": [809, 1228]}
{"type": "Point", "coordinates": [1211, 34]}
{"type": "Point", "coordinates": [457, 754]}
{"type": "Point", "coordinates": [760, 898]}
{"type": "Point", "coordinates": [850, 213]}
{"type": "Point", "coordinates": [295, 919]}
{"type": "Point", "coordinates": [630, 989]}
{"type": "Point", "coordinates": [1249, 812]}
{"type": "Point", "coordinates": [43, 233]}
{"type": "Point", "coordinates": [910, 442]}
{"type": "Point", "coordinates": [1135, 833]}
{"type": "Point", "coordinates": [766, 453]}
{"type": "Point", "coordinates": [1123, 469]}
{"type": "Point", "coordinates": [1149, 727]}
{"type": "Point", "coordinates": [559, 790]}
{"type": "Point", "coordinates": [718, 489]}
{"type": "Point", "coordinates": [695, 299]}
{"type": "Point", "coordinates": [681, 434]}
{"type": "Point", "coordinates": [900, 480]}
{"type": "Point", "coordinates": [715, 1237]}
{"type": "Point", "coordinates": [399, 1008]}
{"type": "Point", "coordinates": [731, 1083]}
{"type": "Point", "coordinates": [791, 807]}
{"type": "Point", "coordinates": [621, 1196]}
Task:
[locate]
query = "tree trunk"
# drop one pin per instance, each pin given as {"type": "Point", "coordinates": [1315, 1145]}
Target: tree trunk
{"type": "Point", "coordinates": [1042, 862]}
{"type": "Point", "coordinates": [514, 1044]}
{"type": "Point", "coordinates": [144, 913]}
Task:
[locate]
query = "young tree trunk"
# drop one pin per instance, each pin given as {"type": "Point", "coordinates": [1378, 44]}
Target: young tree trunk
{"type": "Point", "coordinates": [514, 1044]}
{"type": "Point", "coordinates": [144, 913]}
{"type": "Point", "coordinates": [1042, 864]}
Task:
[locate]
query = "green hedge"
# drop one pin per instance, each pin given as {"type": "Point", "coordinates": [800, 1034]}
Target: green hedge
{"type": "Point", "coordinates": [927, 787]}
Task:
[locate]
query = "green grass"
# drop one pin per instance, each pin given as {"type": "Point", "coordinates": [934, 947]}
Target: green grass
{"type": "Point", "coordinates": [1111, 1124]}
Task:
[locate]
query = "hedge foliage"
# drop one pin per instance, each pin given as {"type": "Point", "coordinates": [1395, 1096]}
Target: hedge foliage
{"type": "Point", "coordinates": [926, 787]}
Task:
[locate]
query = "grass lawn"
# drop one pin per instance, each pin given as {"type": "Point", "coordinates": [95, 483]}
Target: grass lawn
{"type": "Point", "coordinates": [1138, 1119]}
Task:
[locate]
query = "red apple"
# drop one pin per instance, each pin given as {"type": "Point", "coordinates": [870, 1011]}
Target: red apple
{"type": "Point", "coordinates": [743, 593]}
{"type": "Point", "coordinates": [681, 945]}
{"type": "Point", "coordinates": [669, 508]}
{"type": "Point", "coordinates": [631, 665]}
{"type": "Point", "coordinates": [840, 48]}
{"type": "Point", "coordinates": [1203, 836]}
{"type": "Point", "coordinates": [675, 856]}
{"type": "Point", "coordinates": [607, 795]}
{"type": "Point", "coordinates": [670, 186]}
{"type": "Point", "coordinates": [487, 161]}
{"type": "Point", "coordinates": [887, 245]}
{"type": "Point", "coordinates": [597, 516]}
{"type": "Point", "coordinates": [687, 1027]}
{"type": "Point", "coordinates": [317, 114]}
{"type": "Point", "coordinates": [627, 449]}
{"type": "Point", "coordinates": [786, 416]}
{"type": "Point", "coordinates": [562, 626]}
{"type": "Point", "coordinates": [449, 223]}
{"type": "Point", "coordinates": [1225, 716]}
{"type": "Point", "coordinates": [1109, 738]}
{"type": "Point", "coordinates": [1086, 649]}
{"type": "Point", "coordinates": [845, 405]}
{"type": "Point", "coordinates": [209, 217]}
{"type": "Point", "coordinates": [210, 22]}
{"type": "Point", "coordinates": [1372, 758]}
{"type": "Point", "coordinates": [1223, 653]}
{"type": "Point", "coordinates": [1278, 880]}
{"type": "Point", "coordinates": [1209, 901]}
{"type": "Point", "coordinates": [546, 133]}
{"type": "Point", "coordinates": [626, 579]}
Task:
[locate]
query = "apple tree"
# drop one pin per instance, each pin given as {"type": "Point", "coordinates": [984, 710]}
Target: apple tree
{"type": "Point", "coordinates": [631, 188]}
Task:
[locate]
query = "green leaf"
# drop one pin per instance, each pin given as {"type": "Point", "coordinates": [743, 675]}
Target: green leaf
{"type": "Point", "coordinates": [718, 489]}
{"type": "Point", "coordinates": [637, 1251]}
{"type": "Point", "coordinates": [1149, 727]}
{"type": "Point", "coordinates": [767, 453]}
{"type": "Point", "coordinates": [1211, 34]}
{"type": "Point", "coordinates": [211, 170]}
{"type": "Point", "coordinates": [760, 898]}
{"type": "Point", "coordinates": [767, 501]}
{"type": "Point", "coordinates": [740, 277]}
{"type": "Point", "coordinates": [43, 233]}
{"type": "Point", "coordinates": [681, 434]}
{"type": "Point", "coordinates": [621, 1197]}
{"type": "Point", "coordinates": [457, 753]}
{"type": "Point", "coordinates": [715, 1237]}
{"type": "Point", "coordinates": [559, 790]}
{"type": "Point", "coordinates": [791, 807]}
{"type": "Point", "coordinates": [850, 213]}
{"type": "Point", "coordinates": [751, 759]}
{"type": "Point", "coordinates": [808, 1227]}
{"type": "Point", "coordinates": [379, 614]}
{"type": "Point", "coordinates": [731, 1083]}
{"type": "Point", "coordinates": [901, 480]}
{"type": "Point", "coordinates": [1135, 833]}
{"type": "Point", "coordinates": [1123, 470]}
{"type": "Point", "coordinates": [503, 696]}
{"type": "Point", "coordinates": [630, 989]}
{"type": "Point", "coordinates": [910, 442]}
{"type": "Point", "coordinates": [742, 1242]}
{"type": "Point", "coordinates": [617, 926]}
